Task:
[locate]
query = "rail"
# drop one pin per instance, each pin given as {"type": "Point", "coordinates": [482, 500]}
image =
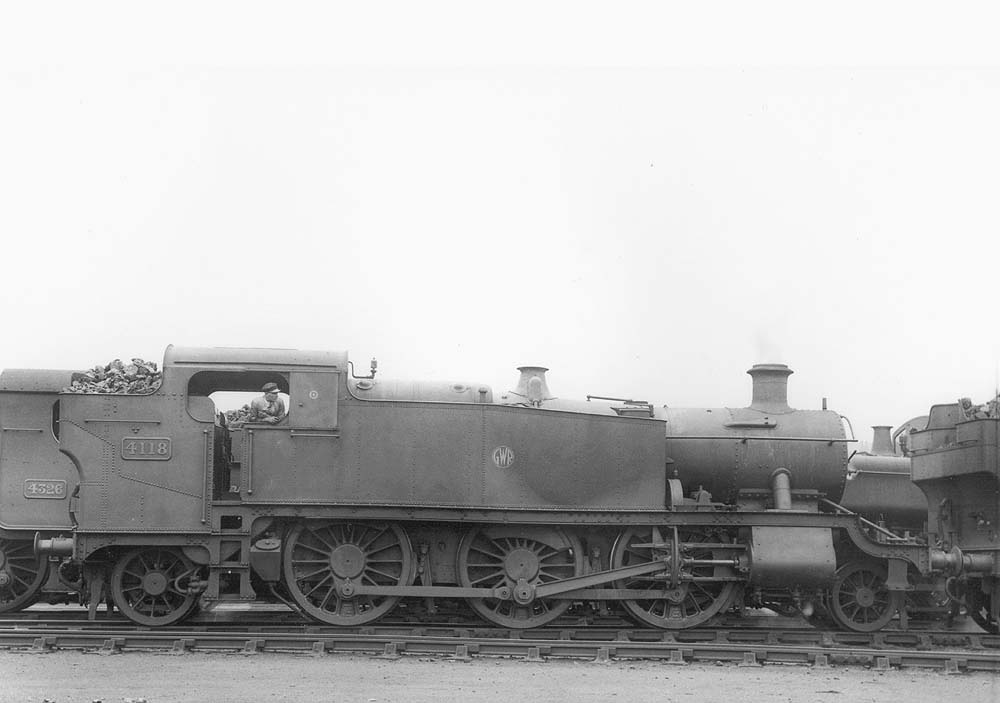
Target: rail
{"type": "Point", "coordinates": [950, 653]}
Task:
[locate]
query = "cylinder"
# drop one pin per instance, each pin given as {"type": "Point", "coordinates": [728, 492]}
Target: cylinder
{"type": "Point", "coordinates": [783, 556]}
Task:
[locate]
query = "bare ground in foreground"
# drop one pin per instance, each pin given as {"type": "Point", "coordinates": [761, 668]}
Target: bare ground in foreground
{"type": "Point", "coordinates": [78, 677]}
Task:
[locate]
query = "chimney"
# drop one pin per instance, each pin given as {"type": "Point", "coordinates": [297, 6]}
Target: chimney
{"type": "Point", "coordinates": [531, 385]}
{"type": "Point", "coordinates": [770, 387]}
{"type": "Point", "coordinates": [882, 441]}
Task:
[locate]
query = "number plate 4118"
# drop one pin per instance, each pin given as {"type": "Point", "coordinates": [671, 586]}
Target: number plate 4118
{"type": "Point", "coordinates": [146, 448]}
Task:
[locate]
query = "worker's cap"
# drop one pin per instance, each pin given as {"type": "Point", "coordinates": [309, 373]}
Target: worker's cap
{"type": "Point", "coordinates": [270, 388]}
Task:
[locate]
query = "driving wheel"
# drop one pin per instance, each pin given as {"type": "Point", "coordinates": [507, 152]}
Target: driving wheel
{"type": "Point", "coordinates": [323, 561]}
{"type": "Point", "coordinates": [22, 574]}
{"type": "Point", "coordinates": [690, 597]}
{"type": "Point", "coordinates": [514, 561]}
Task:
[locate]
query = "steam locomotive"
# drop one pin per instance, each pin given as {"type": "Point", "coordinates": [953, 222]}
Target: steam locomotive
{"type": "Point", "coordinates": [956, 464]}
{"type": "Point", "coordinates": [35, 482]}
{"type": "Point", "coordinates": [521, 505]}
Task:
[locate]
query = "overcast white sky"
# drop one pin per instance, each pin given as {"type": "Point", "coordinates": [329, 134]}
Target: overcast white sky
{"type": "Point", "coordinates": [646, 198]}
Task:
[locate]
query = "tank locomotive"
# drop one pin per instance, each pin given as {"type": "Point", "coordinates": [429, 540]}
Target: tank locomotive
{"type": "Point", "coordinates": [519, 504]}
{"type": "Point", "coordinates": [956, 464]}
{"type": "Point", "coordinates": [35, 481]}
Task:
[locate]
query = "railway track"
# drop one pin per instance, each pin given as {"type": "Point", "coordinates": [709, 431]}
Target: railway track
{"type": "Point", "coordinates": [947, 651]}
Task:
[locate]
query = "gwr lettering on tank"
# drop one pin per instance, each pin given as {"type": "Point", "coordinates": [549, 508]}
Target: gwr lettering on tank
{"type": "Point", "coordinates": [503, 457]}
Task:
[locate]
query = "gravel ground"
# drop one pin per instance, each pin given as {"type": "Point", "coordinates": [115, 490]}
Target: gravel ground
{"type": "Point", "coordinates": [78, 677]}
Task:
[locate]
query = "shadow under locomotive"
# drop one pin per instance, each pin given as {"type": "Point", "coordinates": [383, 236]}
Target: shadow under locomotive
{"type": "Point", "coordinates": [519, 505]}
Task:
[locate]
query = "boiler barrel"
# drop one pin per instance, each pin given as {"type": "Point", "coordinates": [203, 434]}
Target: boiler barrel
{"type": "Point", "coordinates": [880, 489]}
{"type": "Point", "coordinates": [723, 450]}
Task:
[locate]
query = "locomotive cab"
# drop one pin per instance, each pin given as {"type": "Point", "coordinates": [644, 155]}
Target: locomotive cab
{"type": "Point", "coordinates": [311, 399]}
{"type": "Point", "coordinates": [155, 469]}
{"type": "Point", "coordinates": [157, 461]}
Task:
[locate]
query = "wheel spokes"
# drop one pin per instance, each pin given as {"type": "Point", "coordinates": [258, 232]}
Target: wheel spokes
{"type": "Point", "coordinates": [147, 586]}
{"type": "Point", "coordinates": [690, 602]}
{"type": "Point", "coordinates": [322, 562]}
{"type": "Point", "coordinates": [861, 600]}
{"type": "Point", "coordinates": [499, 557]}
{"type": "Point", "coordinates": [22, 574]}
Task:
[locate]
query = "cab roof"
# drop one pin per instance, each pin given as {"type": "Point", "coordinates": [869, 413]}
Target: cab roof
{"type": "Point", "coordinates": [243, 357]}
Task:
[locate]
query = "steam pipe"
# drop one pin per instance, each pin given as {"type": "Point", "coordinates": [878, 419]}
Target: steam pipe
{"type": "Point", "coordinates": [957, 562]}
{"type": "Point", "coordinates": [781, 487]}
{"type": "Point", "coordinates": [57, 546]}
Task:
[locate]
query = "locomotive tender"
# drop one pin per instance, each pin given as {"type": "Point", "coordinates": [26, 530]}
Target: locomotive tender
{"type": "Point", "coordinates": [519, 504]}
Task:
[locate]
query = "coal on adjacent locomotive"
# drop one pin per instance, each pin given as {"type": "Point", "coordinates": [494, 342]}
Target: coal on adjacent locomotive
{"type": "Point", "coordinates": [520, 505]}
